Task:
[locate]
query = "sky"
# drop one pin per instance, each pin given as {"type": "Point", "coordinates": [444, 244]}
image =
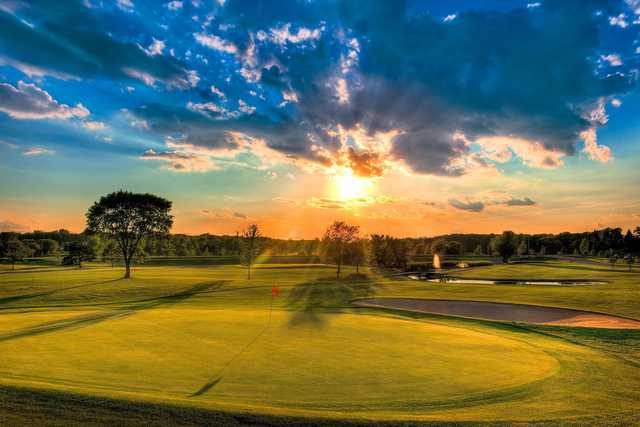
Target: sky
{"type": "Point", "coordinates": [411, 118]}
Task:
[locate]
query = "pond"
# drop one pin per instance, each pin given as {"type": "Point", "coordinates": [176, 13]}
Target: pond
{"type": "Point", "coordinates": [470, 281]}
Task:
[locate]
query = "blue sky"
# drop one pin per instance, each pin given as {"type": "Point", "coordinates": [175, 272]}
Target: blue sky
{"type": "Point", "coordinates": [418, 117]}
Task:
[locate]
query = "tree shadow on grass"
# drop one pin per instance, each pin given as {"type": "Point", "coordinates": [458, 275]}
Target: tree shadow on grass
{"type": "Point", "coordinates": [94, 318]}
{"type": "Point", "coordinates": [310, 300]}
{"type": "Point", "coordinates": [14, 298]}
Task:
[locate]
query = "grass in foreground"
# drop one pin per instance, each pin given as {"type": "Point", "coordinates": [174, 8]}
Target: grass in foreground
{"type": "Point", "coordinates": [196, 338]}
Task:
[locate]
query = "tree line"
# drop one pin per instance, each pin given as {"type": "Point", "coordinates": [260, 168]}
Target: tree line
{"type": "Point", "coordinates": [130, 227]}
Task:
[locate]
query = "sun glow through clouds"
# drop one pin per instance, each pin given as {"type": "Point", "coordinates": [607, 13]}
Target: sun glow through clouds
{"type": "Point", "coordinates": [348, 187]}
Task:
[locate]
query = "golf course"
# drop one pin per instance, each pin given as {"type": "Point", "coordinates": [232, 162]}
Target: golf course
{"type": "Point", "coordinates": [296, 343]}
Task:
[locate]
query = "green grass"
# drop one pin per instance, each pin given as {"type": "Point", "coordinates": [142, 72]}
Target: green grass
{"type": "Point", "coordinates": [201, 338]}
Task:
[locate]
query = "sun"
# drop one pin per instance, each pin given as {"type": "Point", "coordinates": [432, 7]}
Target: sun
{"type": "Point", "coordinates": [349, 187]}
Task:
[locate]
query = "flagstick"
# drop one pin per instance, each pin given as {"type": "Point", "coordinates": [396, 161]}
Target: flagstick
{"type": "Point", "coordinates": [218, 376]}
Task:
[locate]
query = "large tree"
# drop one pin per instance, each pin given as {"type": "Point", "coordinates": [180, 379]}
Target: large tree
{"type": "Point", "coordinates": [505, 245]}
{"type": "Point", "coordinates": [127, 218]}
{"type": "Point", "coordinates": [16, 250]}
{"type": "Point", "coordinates": [336, 238]}
{"type": "Point", "coordinates": [250, 247]}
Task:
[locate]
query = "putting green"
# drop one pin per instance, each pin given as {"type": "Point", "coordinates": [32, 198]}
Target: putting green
{"type": "Point", "coordinates": [334, 362]}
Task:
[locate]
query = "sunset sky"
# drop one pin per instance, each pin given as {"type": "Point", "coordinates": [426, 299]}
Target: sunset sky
{"type": "Point", "coordinates": [410, 118]}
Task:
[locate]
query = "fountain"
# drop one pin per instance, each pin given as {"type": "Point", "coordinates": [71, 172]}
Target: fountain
{"type": "Point", "coordinates": [436, 262]}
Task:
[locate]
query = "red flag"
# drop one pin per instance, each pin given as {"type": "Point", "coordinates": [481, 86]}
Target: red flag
{"type": "Point", "coordinates": [274, 292]}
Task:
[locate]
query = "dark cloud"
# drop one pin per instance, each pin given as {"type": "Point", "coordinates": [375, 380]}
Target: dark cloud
{"type": "Point", "coordinates": [467, 206]}
{"type": "Point", "coordinates": [530, 73]}
{"type": "Point", "coordinates": [520, 202]}
{"type": "Point", "coordinates": [68, 40]}
{"type": "Point", "coordinates": [365, 163]}
{"type": "Point", "coordinates": [12, 226]}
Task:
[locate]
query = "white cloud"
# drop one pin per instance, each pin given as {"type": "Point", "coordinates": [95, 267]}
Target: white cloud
{"type": "Point", "coordinates": [616, 102]}
{"type": "Point", "coordinates": [214, 42]}
{"type": "Point", "coordinates": [613, 59]}
{"type": "Point", "coordinates": [246, 108]}
{"type": "Point", "coordinates": [29, 102]}
{"type": "Point", "coordinates": [145, 77]}
{"type": "Point", "coordinates": [193, 78]}
{"type": "Point", "coordinates": [634, 5]}
{"type": "Point", "coordinates": [37, 151]}
{"type": "Point", "coordinates": [600, 153]}
{"type": "Point", "coordinates": [125, 5]}
{"type": "Point", "coordinates": [218, 92]}
{"type": "Point", "coordinates": [342, 92]}
{"type": "Point", "coordinates": [533, 5]}
{"type": "Point", "coordinates": [289, 96]}
{"type": "Point", "coordinates": [181, 162]}
{"type": "Point", "coordinates": [449, 18]}
{"type": "Point", "coordinates": [501, 149]}
{"type": "Point", "coordinates": [92, 125]}
{"type": "Point", "coordinates": [174, 5]}
{"type": "Point", "coordinates": [619, 21]}
{"type": "Point", "coordinates": [155, 48]}
{"type": "Point", "coordinates": [206, 107]}
{"type": "Point", "coordinates": [283, 35]}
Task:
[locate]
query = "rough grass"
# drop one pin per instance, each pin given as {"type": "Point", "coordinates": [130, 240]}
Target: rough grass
{"type": "Point", "coordinates": [198, 340]}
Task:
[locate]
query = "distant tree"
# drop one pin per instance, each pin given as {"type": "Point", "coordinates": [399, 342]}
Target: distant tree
{"type": "Point", "coordinates": [249, 247]}
{"type": "Point", "coordinates": [438, 246]}
{"type": "Point", "coordinates": [127, 218]}
{"type": "Point", "coordinates": [378, 249]}
{"type": "Point", "coordinates": [584, 247]}
{"type": "Point", "coordinates": [505, 245]}
{"type": "Point", "coordinates": [398, 249]}
{"type": "Point", "coordinates": [629, 260]}
{"type": "Point", "coordinates": [355, 254]}
{"type": "Point", "coordinates": [453, 248]}
{"type": "Point", "coordinates": [49, 247]}
{"type": "Point", "coordinates": [110, 251]}
{"type": "Point", "coordinates": [336, 238]}
{"type": "Point", "coordinates": [478, 250]}
{"type": "Point", "coordinates": [15, 250]}
{"type": "Point", "coordinates": [629, 241]}
{"type": "Point", "coordinates": [388, 252]}
{"type": "Point", "coordinates": [96, 243]}
{"type": "Point", "coordinates": [140, 256]}
{"type": "Point", "coordinates": [78, 252]}
{"type": "Point", "coordinates": [33, 245]}
{"type": "Point", "coordinates": [522, 248]}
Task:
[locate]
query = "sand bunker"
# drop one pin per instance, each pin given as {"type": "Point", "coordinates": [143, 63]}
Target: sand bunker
{"type": "Point", "coordinates": [504, 312]}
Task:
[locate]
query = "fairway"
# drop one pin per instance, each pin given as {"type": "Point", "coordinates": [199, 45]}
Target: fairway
{"type": "Point", "coordinates": [206, 337]}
